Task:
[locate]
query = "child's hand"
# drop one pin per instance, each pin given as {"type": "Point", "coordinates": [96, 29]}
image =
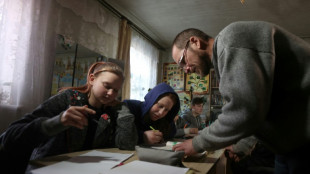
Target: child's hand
{"type": "Point", "coordinates": [193, 131]}
{"type": "Point", "coordinates": [76, 116]}
{"type": "Point", "coordinates": [152, 136]}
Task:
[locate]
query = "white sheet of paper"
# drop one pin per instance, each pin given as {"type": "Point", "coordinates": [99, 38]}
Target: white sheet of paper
{"type": "Point", "coordinates": [135, 167]}
{"type": "Point", "coordinates": [93, 162]}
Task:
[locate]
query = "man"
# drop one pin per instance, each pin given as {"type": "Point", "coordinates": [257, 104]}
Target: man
{"type": "Point", "coordinates": [264, 74]}
{"type": "Point", "coordinates": [192, 117]}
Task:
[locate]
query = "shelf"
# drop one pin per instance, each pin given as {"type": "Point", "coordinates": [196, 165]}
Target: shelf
{"type": "Point", "coordinates": [216, 99]}
{"type": "Point", "coordinates": [216, 105]}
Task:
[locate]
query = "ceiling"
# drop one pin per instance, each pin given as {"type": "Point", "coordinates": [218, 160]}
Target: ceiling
{"type": "Point", "coordinates": [163, 19]}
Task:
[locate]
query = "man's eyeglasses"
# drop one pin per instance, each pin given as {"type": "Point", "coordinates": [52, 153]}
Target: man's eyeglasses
{"type": "Point", "coordinates": [182, 61]}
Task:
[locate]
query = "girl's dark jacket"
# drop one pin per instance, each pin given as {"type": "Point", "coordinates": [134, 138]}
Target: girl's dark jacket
{"type": "Point", "coordinates": [40, 133]}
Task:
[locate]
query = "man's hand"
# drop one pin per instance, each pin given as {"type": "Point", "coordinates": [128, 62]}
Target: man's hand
{"type": "Point", "coordinates": [186, 146]}
{"type": "Point", "coordinates": [152, 136]}
{"type": "Point", "coordinates": [76, 116]}
{"type": "Point", "coordinates": [231, 154]}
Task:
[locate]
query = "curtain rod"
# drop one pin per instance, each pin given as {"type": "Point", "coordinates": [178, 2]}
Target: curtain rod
{"type": "Point", "coordinates": [134, 26]}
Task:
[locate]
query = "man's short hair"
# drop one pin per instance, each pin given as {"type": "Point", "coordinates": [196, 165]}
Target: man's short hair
{"type": "Point", "coordinates": [181, 39]}
{"type": "Point", "coordinates": [197, 101]}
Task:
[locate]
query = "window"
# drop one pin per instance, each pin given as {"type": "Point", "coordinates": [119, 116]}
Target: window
{"type": "Point", "coordinates": [10, 19]}
{"type": "Point", "coordinates": [143, 66]}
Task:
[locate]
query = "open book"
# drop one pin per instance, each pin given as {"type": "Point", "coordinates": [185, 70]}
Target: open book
{"type": "Point", "coordinates": [167, 146]}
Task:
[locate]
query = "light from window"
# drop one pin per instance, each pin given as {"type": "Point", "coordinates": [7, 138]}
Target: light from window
{"type": "Point", "coordinates": [143, 74]}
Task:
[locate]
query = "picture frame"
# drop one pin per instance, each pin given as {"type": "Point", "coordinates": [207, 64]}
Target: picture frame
{"type": "Point", "coordinates": [185, 100]}
{"type": "Point", "coordinates": [197, 84]}
{"type": "Point", "coordinates": [173, 76]}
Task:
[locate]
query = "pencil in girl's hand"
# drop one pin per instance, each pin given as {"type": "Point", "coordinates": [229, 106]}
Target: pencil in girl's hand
{"type": "Point", "coordinates": [152, 128]}
{"type": "Point", "coordinates": [185, 125]}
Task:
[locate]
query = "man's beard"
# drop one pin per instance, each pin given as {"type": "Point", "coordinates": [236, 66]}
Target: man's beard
{"type": "Point", "coordinates": [206, 64]}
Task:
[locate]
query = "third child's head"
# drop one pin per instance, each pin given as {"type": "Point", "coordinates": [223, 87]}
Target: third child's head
{"type": "Point", "coordinates": [197, 105]}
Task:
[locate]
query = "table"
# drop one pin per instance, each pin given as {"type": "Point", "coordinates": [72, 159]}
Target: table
{"type": "Point", "coordinates": [210, 163]}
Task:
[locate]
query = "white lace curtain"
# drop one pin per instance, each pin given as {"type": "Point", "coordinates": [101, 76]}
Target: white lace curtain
{"type": "Point", "coordinates": [26, 56]}
{"type": "Point", "coordinates": [143, 66]}
{"type": "Point", "coordinates": [27, 46]}
{"type": "Point", "coordinates": [88, 23]}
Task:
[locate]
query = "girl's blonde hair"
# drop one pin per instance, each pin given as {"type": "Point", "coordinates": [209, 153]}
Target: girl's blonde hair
{"type": "Point", "coordinates": [96, 69]}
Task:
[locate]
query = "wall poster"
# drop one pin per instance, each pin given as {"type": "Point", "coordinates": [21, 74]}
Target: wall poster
{"type": "Point", "coordinates": [173, 76]}
{"type": "Point", "coordinates": [185, 100]}
{"type": "Point", "coordinates": [200, 85]}
{"type": "Point", "coordinates": [63, 71]}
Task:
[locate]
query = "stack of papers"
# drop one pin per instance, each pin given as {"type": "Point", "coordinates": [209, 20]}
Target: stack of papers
{"type": "Point", "coordinates": [93, 162]}
{"type": "Point", "coordinates": [98, 162]}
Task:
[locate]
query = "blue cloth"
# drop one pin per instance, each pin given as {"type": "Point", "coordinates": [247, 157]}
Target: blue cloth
{"type": "Point", "coordinates": [141, 108]}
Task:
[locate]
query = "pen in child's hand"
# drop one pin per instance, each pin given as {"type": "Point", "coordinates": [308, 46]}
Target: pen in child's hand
{"type": "Point", "coordinates": [152, 128]}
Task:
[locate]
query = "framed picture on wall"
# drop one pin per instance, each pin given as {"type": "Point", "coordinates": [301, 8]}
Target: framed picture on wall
{"type": "Point", "coordinates": [199, 85]}
{"type": "Point", "coordinates": [81, 70]}
{"type": "Point", "coordinates": [63, 71]}
{"type": "Point", "coordinates": [185, 100]}
{"type": "Point", "coordinates": [173, 76]}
